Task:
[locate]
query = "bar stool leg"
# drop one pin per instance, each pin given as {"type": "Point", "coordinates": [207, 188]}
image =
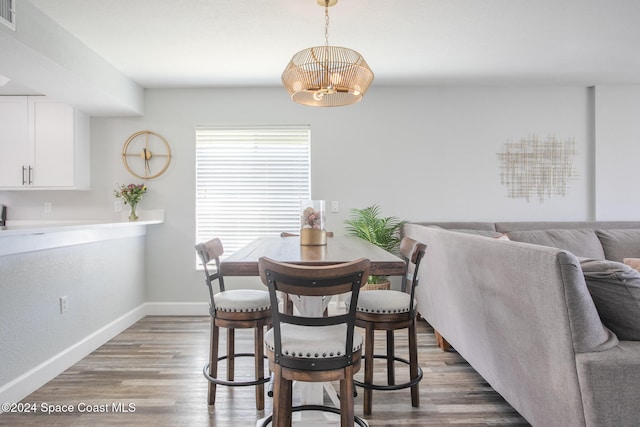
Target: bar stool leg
{"type": "Point", "coordinates": [391, 373]}
{"type": "Point", "coordinates": [282, 398]}
{"type": "Point", "coordinates": [347, 412]}
{"type": "Point", "coordinates": [259, 365]}
{"type": "Point", "coordinates": [231, 351]}
{"type": "Point", "coordinates": [413, 363]}
{"type": "Point", "coordinates": [368, 368]}
{"type": "Point", "coordinates": [213, 361]}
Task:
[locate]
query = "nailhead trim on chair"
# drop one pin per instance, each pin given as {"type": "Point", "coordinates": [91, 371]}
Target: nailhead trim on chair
{"type": "Point", "coordinates": [246, 310]}
{"type": "Point", "coordinates": [365, 310]}
{"type": "Point", "coordinates": [242, 301]}
{"type": "Point", "coordinates": [311, 353]}
{"type": "Point", "coordinates": [383, 302]}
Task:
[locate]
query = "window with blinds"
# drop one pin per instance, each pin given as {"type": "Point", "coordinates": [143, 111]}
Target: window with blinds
{"type": "Point", "coordinates": [249, 182]}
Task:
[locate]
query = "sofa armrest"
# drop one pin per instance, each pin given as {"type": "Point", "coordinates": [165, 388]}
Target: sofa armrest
{"type": "Point", "coordinates": [609, 385]}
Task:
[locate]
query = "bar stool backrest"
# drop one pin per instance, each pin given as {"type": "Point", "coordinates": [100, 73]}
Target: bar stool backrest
{"type": "Point", "coordinates": [209, 251]}
{"type": "Point", "coordinates": [310, 281]}
{"type": "Point", "coordinates": [411, 251]}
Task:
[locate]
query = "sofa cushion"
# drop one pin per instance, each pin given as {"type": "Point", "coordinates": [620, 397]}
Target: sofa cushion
{"type": "Point", "coordinates": [485, 233]}
{"type": "Point", "coordinates": [615, 289]}
{"type": "Point", "coordinates": [471, 225]}
{"type": "Point", "coordinates": [619, 244]}
{"type": "Point", "coordinates": [580, 242]}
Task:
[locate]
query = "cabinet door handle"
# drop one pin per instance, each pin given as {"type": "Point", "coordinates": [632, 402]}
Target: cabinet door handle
{"type": "Point", "coordinates": [24, 180]}
{"type": "Point", "coordinates": [30, 175]}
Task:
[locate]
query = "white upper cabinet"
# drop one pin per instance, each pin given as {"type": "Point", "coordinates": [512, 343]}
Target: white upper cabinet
{"type": "Point", "coordinates": [14, 127]}
{"type": "Point", "coordinates": [44, 144]}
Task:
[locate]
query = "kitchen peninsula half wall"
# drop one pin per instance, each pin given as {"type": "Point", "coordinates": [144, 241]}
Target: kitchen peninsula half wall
{"type": "Point", "coordinates": [65, 289]}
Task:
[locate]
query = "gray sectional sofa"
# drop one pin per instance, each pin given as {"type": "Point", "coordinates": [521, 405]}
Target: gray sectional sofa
{"type": "Point", "coordinates": [520, 311]}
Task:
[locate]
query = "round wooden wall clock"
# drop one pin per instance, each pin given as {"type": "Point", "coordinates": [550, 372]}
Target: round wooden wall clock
{"type": "Point", "coordinates": [146, 154]}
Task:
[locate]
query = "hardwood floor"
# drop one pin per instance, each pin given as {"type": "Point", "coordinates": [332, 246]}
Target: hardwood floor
{"type": "Point", "coordinates": [151, 375]}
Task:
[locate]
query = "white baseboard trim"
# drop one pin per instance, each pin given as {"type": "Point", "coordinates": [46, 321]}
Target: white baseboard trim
{"type": "Point", "coordinates": [35, 378]}
{"type": "Point", "coordinates": [176, 308]}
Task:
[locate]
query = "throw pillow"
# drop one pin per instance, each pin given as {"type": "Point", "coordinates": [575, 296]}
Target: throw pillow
{"type": "Point", "coordinates": [615, 289]}
{"type": "Point", "coordinates": [632, 262]}
{"type": "Point", "coordinates": [619, 244]}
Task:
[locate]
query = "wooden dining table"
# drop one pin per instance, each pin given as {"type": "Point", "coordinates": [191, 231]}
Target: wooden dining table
{"type": "Point", "coordinates": [338, 249]}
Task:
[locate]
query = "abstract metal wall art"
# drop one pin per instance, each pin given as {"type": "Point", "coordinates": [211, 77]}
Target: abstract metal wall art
{"type": "Point", "coordinates": [536, 168]}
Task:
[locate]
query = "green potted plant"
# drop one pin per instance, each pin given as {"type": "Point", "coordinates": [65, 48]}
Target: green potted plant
{"type": "Point", "coordinates": [384, 232]}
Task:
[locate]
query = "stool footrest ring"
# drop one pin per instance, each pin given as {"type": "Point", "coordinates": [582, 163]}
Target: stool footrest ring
{"type": "Point", "coordinates": [321, 408]}
{"type": "Point", "coordinates": [205, 371]}
{"type": "Point", "coordinates": [386, 387]}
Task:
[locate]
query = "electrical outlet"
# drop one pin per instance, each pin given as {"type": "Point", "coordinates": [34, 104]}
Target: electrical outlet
{"type": "Point", "coordinates": [117, 206]}
{"type": "Point", "coordinates": [48, 207]}
{"type": "Point", "coordinates": [63, 305]}
{"type": "Point", "coordinates": [334, 206]}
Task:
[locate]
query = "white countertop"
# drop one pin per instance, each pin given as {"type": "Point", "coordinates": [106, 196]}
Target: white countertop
{"type": "Point", "coordinates": [17, 228]}
{"type": "Point", "coordinates": [33, 235]}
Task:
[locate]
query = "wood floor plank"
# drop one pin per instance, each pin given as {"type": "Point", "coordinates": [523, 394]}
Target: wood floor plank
{"type": "Point", "coordinates": [151, 375]}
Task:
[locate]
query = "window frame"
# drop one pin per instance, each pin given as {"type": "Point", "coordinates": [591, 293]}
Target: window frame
{"type": "Point", "coordinates": [256, 175]}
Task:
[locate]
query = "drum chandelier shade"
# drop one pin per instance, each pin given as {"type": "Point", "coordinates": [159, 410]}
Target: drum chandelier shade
{"type": "Point", "coordinates": [327, 76]}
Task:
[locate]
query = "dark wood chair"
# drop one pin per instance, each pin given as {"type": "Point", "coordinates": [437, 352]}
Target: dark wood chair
{"type": "Point", "coordinates": [390, 310]}
{"type": "Point", "coordinates": [233, 309]}
{"type": "Point", "coordinates": [313, 349]}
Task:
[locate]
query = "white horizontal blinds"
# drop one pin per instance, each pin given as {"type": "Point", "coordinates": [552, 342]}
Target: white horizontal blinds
{"type": "Point", "coordinates": [8, 13]}
{"type": "Point", "coordinates": [249, 182]}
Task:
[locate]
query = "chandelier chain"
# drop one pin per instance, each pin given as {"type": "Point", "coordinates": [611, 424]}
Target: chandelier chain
{"type": "Point", "coordinates": [326, 23]}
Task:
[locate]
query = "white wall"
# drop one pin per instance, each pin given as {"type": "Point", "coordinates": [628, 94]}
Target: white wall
{"type": "Point", "coordinates": [617, 129]}
{"type": "Point", "coordinates": [420, 153]}
{"type": "Point", "coordinates": [104, 285]}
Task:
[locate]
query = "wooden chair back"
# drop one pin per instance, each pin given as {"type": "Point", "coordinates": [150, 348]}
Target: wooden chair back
{"type": "Point", "coordinates": [314, 281]}
{"type": "Point", "coordinates": [411, 251]}
{"type": "Point", "coordinates": [209, 251]}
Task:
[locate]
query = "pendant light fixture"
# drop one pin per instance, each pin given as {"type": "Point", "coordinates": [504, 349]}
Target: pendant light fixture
{"type": "Point", "coordinates": [327, 76]}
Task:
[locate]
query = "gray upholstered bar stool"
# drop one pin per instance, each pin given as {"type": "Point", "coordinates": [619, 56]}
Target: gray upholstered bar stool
{"type": "Point", "coordinates": [308, 348]}
{"type": "Point", "coordinates": [233, 309]}
{"type": "Point", "coordinates": [391, 310]}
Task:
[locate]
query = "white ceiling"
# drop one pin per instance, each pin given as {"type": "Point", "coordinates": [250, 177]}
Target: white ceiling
{"type": "Point", "coordinates": [212, 43]}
